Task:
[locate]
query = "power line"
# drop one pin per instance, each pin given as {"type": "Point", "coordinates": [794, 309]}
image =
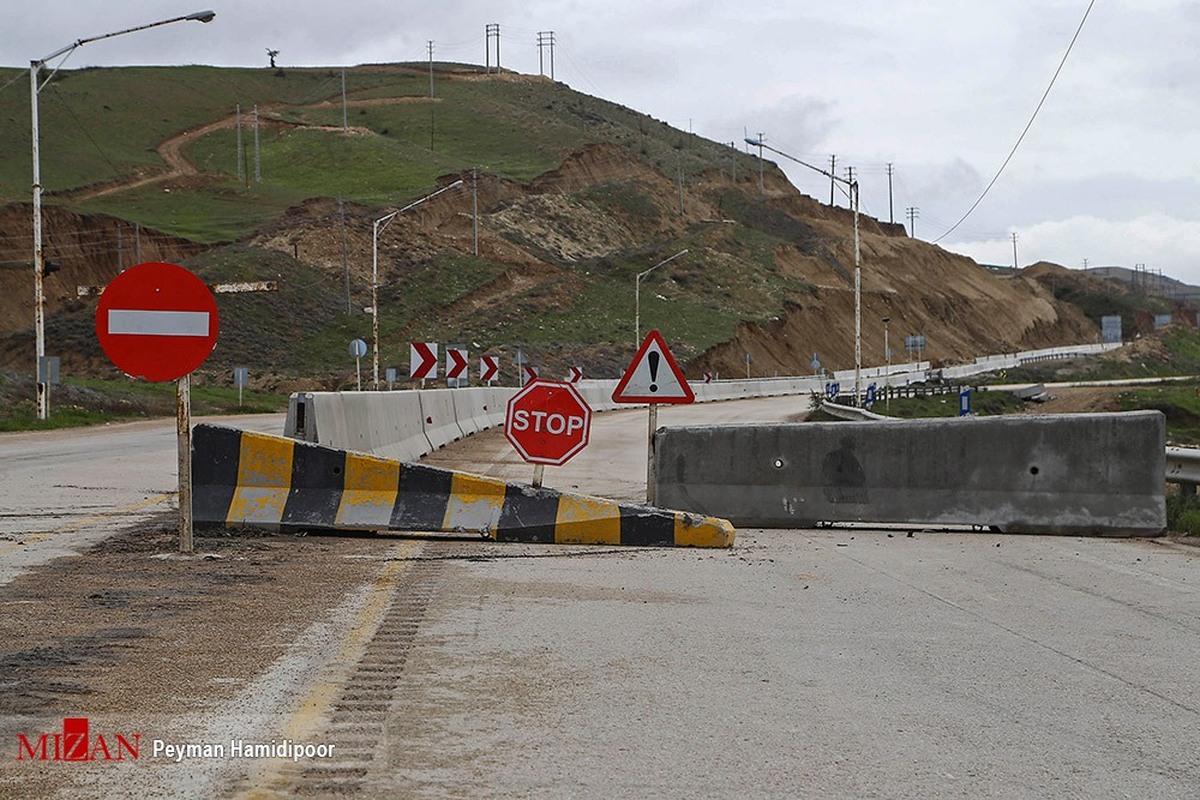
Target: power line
{"type": "Point", "coordinates": [1028, 125]}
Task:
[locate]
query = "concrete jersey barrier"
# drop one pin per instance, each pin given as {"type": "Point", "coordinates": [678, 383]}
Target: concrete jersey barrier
{"type": "Point", "coordinates": [1082, 473]}
{"type": "Point", "coordinates": [408, 424]}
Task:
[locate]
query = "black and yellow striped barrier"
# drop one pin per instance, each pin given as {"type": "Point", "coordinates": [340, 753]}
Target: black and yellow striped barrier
{"type": "Point", "coordinates": [245, 479]}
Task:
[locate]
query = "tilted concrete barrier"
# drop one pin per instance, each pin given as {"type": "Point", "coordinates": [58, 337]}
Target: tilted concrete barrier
{"type": "Point", "coordinates": [1082, 473]}
{"type": "Point", "coordinates": [243, 479]}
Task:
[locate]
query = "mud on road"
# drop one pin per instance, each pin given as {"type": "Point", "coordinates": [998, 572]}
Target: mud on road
{"type": "Point", "coordinates": [141, 640]}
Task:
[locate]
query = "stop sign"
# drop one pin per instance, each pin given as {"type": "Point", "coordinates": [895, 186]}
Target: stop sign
{"type": "Point", "coordinates": [157, 321]}
{"type": "Point", "coordinates": [548, 422]}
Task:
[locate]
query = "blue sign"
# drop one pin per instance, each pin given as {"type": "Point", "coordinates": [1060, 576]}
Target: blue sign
{"type": "Point", "coordinates": [870, 395]}
{"type": "Point", "coordinates": [964, 401]}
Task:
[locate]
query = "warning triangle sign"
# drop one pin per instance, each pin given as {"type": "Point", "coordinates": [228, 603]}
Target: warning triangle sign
{"type": "Point", "coordinates": [653, 376]}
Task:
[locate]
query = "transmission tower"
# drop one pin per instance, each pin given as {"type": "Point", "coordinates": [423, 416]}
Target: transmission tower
{"type": "Point", "coordinates": [492, 29]}
{"type": "Point", "coordinates": [545, 39]}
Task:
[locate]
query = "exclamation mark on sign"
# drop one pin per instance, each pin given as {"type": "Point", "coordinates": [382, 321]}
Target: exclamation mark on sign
{"type": "Point", "coordinates": [653, 358]}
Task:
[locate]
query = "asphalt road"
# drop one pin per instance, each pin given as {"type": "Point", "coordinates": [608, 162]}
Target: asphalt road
{"type": "Point", "coordinates": [63, 490]}
{"type": "Point", "coordinates": [802, 663]}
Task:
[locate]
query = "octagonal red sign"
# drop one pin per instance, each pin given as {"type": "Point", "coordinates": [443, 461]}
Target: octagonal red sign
{"type": "Point", "coordinates": [548, 422]}
{"type": "Point", "coordinates": [157, 321]}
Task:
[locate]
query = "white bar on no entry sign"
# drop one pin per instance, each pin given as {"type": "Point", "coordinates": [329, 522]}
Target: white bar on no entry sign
{"type": "Point", "coordinates": [157, 323]}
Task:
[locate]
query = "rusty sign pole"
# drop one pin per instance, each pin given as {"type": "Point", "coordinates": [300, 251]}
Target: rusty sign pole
{"type": "Point", "coordinates": [183, 427]}
{"type": "Point", "coordinates": [651, 490]}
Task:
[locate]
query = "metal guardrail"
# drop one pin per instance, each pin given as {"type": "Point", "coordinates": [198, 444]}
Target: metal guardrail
{"type": "Point", "coordinates": [1183, 467]}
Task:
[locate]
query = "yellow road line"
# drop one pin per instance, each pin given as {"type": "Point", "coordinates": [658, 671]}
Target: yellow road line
{"type": "Point", "coordinates": [313, 709]}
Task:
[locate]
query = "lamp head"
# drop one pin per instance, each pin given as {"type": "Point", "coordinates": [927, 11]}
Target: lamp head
{"type": "Point", "coordinates": [202, 16]}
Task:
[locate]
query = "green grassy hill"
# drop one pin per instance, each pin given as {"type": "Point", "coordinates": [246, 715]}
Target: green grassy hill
{"type": "Point", "coordinates": [574, 196]}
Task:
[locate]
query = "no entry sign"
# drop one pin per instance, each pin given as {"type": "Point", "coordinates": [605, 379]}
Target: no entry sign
{"type": "Point", "coordinates": [157, 321]}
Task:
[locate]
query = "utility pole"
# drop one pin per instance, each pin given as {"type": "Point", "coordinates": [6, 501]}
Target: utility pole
{"type": "Point", "coordinates": [475, 210]}
{"type": "Point", "coordinates": [345, 125]}
{"type": "Point", "coordinates": [679, 153]}
{"type": "Point", "coordinates": [490, 30]}
{"type": "Point", "coordinates": [850, 174]}
{"type": "Point", "coordinates": [1014, 238]}
{"type": "Point", "coordinates": [891, 214]}
{"type": "Point", "coordinates": [241, 156]}
{"type": "Point", "coordinates": [545, 39]}
{"type": "Point", "coordinates": [913, 213]}
{"type": "Point", "coordinates": [762, 192]}
{"type": "Point", "coordinates": [430, 68]}
{"type": "Point", "coordinates": [257, 161]}
{"type": "Point", "coordinates": [832, 172]}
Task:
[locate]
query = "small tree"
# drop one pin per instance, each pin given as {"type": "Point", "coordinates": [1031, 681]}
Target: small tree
{"type": "Point", "coordinates": [271, 54]}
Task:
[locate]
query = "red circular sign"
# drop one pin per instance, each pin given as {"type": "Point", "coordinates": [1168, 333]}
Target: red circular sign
{"type": "Point", "coordinates": [157, 321]}
{"type": "Point", "coordinates": [548, 422]}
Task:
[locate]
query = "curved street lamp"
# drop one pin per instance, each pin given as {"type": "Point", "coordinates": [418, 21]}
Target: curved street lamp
{"type": "Point", "coordinates": [637, 297]}
{"type": "Point", "coordinates": [378, 228]}
{"type": "Point", "coordinates": [35, 68]}
{"type": "Point", "coordinates": [853, 186]}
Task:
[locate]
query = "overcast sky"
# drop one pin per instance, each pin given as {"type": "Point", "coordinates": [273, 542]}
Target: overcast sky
{"type": "Point", "coordinates": [940, 89]}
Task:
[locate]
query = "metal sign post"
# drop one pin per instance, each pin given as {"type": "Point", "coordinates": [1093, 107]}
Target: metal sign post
{"type": "Point", "coordinates": [183, 428]}
{"type": "Point", "coordinates": [241, 377]}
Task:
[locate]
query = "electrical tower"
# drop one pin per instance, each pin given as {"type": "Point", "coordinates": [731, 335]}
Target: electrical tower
{"type": "Point", "coordinates": [891, 214]}
{"type": "Point", "coordinates": [492, 29]}
{"type": "Point", "coordinates": [913, 214]}
{"type": "Point", "coordinates": [431, 67]}
{"type": "Point", "coordinates": [545, 39]}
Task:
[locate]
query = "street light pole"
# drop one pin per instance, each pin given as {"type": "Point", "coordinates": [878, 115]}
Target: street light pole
{"type": "Point", "coordinates": [887, 356]}
{"type": "Point", "coordinates": [378, 228]}
{"type": "Point", "coordinates": [637, 297]}
{"type": "Point", "coordinates": [35, 68]}
{"type": "Point", "coordinates": [852, 185]}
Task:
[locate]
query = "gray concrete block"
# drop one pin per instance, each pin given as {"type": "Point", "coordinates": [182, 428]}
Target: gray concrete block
{"type": "Point", "coordinates": [1078, 473]}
